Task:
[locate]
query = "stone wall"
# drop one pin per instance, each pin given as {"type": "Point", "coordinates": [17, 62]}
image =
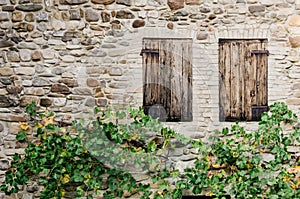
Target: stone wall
{"type": "Point", "coordinates": [72, 55]}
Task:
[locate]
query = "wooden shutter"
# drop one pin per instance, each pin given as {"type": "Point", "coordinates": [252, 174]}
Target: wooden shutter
{"type": "Point", "coordinates": [167, 75]}
{"type": "Point", "coordinates": [243, 79]}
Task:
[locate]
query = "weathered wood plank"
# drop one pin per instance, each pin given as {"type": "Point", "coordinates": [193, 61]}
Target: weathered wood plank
{"type": "Point", "coordinates": [241, 90]}
{"type": "Point", "coordinates": [187, 92]}
{"type": "Point", "coordinates": [234, 83]}
{"type": "Point", "coordinates": [262, 78]}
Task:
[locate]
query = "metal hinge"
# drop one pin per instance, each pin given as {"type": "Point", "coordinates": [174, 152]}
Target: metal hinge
{"type": "Point", "coordinates": [149, 51]}
{"type": "Point", "coordinates": [260, 52]}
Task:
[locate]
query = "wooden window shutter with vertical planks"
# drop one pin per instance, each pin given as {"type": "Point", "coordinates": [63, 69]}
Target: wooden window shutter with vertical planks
{"type": "Point", "coordinates": [243, 68]}
{"type": "Point", "coordinates": [167, 78]}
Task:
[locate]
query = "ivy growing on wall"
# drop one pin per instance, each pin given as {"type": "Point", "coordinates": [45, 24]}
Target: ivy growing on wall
{"type": "Point", "coordinates": [99, 157]}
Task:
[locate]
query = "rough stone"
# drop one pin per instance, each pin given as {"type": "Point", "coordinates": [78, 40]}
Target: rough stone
{"type": "Point", "coordinates": [92, 15]}
{"type": "Point", "coordinates": [36, 56]}
{"type": "Point", "coordinates": [5, 43]}
{"type": "Point", "coordinates": [1, 127]}
{"type": "Point", "coordinates": [101, 102]}
{"type": "Point", "coordinates": [92, 82]}
{"type": "Point", "coordinates": [27, 45]}
{"type": "Point", "coordinates": [124, 2]}
{"type": "Point", "coordinates": [14, 89]}
{"type": "Point", "coordinates": [29, 17]}
{"type": "Point", "coordinates": [256, 8]}
{"type": "Point", "coordinates": [37, 81]}
{"type": "Point", "coordinates": [76, 2]}
{"type": "Point", "coordinates": [105, 17]}
{"type": "Point", "coordinates": [17, 16]}
{"type": "Point", "coordinates": [3, 2]}
{"type": "Point", "coordinates": [4, 164]}
{"type": "Point", "coordinates": [294, 20]}
{"type": "Point", "coordinates": [97, 52]}
{"type": "Point", "coordinates": [25, 55]}
{"type": "Point", "coordinates": [59, 102]}
{"type": "Point", "coordinates": [8, 8]}
{"type": "Point", "coordinates": [105, 2]}
{"type": "Point", "coordinates": [90, 102]}
{"type": "Point", "coordinates": [193, 2]}
{"type": "Point", "coordinates": [5, 80]}
{"type": "Point", "coordinates": [13, 56]}
{"type": "Point", "coordinates": [68, 59]}
{"type": "Point", "coordinates": [75, 15]}
{"type": "Point", "coordinates": [42, 16]}
{"type": "Point", "coordinates": [204, 10]}
{"type": "Point", "coordinates": [4, 16]}
{"type": "Point", "coordinates": [60, 88]}
{"type": "Point", "coordinates": [24, 71]}
{"type": "Point", "coordinates": [58, 70]}
{"type": "Point", "coordinates": [202, 36]}
{"type": "Point", "coordinates": [124, 14]}
{"type": "Point", "coordinates": [138, 23]}
{"type": "Point", "coordinates": [28, 100]}
{"type": "Point", "coordinates": [34, 91]}
{"type": "Point", "coordinates": [29, 8]}
{"type": "Point", "coordinates": [69, 82]}
{"type": "Point", "coordinates": [294, 41]}
{"type": "Point", "coordinates": [115, 71]}
{"type": "Point", "coordinates": [5, 71]}
{"type": "Point", "coordinates": [176, 4]}
{"type": "Point", "coordinates": [82, 91]}
{"type": "Point", "coordinates": [5, 101]}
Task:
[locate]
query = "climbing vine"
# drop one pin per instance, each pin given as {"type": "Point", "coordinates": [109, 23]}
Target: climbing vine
{"type": "Point", "coordinates": [100, 156]}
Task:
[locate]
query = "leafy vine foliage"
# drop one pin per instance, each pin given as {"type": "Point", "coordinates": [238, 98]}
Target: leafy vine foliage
{"type": "Point", "coordinates": [99, 157]}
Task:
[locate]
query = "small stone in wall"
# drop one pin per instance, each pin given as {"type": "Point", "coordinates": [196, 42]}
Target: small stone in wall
{"type": "Point", "coordinates": [124, 2]}
{"type": "Point", "coordinates": [202, 36]}
{"type": "Point", "coordinates": [42, 16]}
{"type": "Point", "coordinates": [29, 8]}
{"type": "Point", "coordinates": [4, 164]}
{"type": "Point", "coordinates": [75, 14]}
{"type": "Point", "coordinates": [92, 15]}
{"type": "Point", "coordinates": [105, 2]}
{"type": "Point", "coordinates": [76, 2]}
{"type": "Point", "coordinates": [212, 16]}
{"type": "Point", "coordinates": [3, 2]}
{"type": "Point", "coordinates": [1, 127]}
{"type": "Point", "coordinates": [37, 81]}
{"type": "Point", "coordinates": [170, 25]}
{"type": "Point", "coordinates": [46, 102]}
{"type": "Point", "coordinates": [105, 17]}
{"type": "Point", "coordinates": [6, 71]}
{"type": "Point", "coordinates": [92, 82]}
{"type": "Point", "coordinates": [14, 89]}
{"type": "Point", "coordinates": [138, 23]}
{"type": "Point", "coordinates": [69, 82]}
{"type": "Point", "coordinates": [8, 8]}
{"type": "Point", "coordinates": [28, 100]}
{"type": "Point", "coordinates": [13, 56]}
{"type": "Point", "coordinates": [204, 10]}
{"type": "Point", "coordinates": [256, 8]}
{"type": "Point", "coordinates": [36, 56]}
{"type": "Point", "coordinates": [294, 20]}
{"type": "Point", "coordinates": [17, 16]}
{"type": "Point", "coordinates": [60, 88]}
{"type": "Point", "coordinates": [124, 14]}
{"type": "Point", "coordinates": [30, 17]}
{"type": "Point", "coordinates": [193, 2]}
{"type": "Point", "coordinates": [4, 16]}
{"type": "Point", "coordinates": [294, 41]}
{"type": "Point", "coordinates": [25, 55]}
{"type": "Point", "coordinates": [90, 102]}
{"type": "Point", "coordinates": [176, 4]}
{"type": "Point", "coordinates": [5, 43]}
{"type": "Point", "coordinates": [101, 102]}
